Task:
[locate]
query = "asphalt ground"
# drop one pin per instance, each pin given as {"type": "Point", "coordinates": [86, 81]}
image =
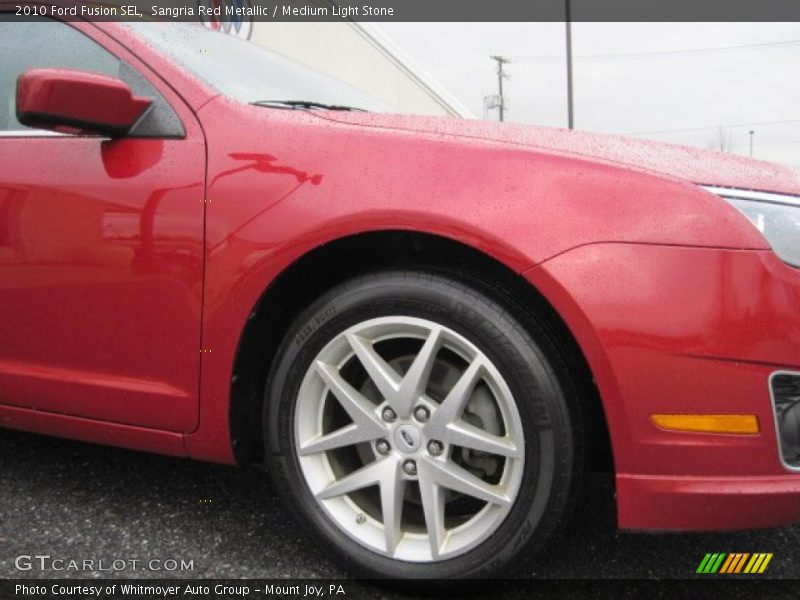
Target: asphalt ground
{"type": "Point", "coordinates": [81, 501]}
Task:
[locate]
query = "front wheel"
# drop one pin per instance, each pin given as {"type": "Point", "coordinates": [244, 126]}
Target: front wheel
{"type": "Point", "coordinates": [420, 429]}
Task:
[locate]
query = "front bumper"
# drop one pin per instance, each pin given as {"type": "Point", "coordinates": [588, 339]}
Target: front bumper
{"type": "Point", "coordinates": [706, 503]}
{"type": "Point", "coordinates": [676, 330]}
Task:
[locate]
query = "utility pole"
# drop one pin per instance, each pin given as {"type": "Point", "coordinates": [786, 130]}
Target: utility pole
{"type": "Point", "coordinates": [500, 75]}
{"type": "Point", "coordinates": [568, 22]}
{"type": "Point", "coordinates": [751, 142]}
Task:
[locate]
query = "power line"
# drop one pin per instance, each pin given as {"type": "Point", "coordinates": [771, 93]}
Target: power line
{"type": "Point", "coordinates": [732, 126]}
{"type": "Point", "coordinates": [655, 54]}
{"type": "Point", "coordinates": [770, 144]}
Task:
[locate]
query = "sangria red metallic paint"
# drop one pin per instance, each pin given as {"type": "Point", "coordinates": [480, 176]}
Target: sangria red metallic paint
{"type": "Point", "coordinates": [132, 265]}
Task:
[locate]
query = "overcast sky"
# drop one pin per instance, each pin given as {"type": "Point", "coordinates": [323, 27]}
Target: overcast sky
{"type": "Point", "coordinates": [705, 80]}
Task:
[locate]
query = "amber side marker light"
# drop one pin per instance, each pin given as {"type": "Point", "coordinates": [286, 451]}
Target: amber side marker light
{"type": "Point", "coordinates": [732, 424]}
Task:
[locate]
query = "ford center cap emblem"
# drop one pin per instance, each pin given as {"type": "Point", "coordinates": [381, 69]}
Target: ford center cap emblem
{"type": "Point", "coordinates": [407, 438]}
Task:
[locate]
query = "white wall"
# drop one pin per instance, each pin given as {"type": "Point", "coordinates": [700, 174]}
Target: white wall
{"type": "Point", "coordinates": [360, 55]}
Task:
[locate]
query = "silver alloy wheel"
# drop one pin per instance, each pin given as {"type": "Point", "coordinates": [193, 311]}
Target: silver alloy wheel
{"type": "Point", "coordinates": [456, 447]}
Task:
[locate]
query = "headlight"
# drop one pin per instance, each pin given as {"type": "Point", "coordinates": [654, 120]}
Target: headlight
{"type": "Point", "coordinates": [776, 216]}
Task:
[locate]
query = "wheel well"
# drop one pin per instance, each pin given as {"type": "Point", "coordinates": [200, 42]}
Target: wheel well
{"type": "Point", "coordinates": [328, 265]}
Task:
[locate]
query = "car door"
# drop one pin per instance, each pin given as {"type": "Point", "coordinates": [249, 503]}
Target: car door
{"type": "Point", "coordinates": [101, 246]}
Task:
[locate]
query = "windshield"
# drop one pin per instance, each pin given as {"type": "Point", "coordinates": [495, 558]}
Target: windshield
{"type": "Point", "coordinates": [245, 71]}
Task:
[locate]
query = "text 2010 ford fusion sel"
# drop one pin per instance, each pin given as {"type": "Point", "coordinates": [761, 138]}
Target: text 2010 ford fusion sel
{"type": "Point", "coordinates": [423, 327]}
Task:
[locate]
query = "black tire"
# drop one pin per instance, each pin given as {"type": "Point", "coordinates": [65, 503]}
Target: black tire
{"type": "Point", "coordinates": [529, 361]}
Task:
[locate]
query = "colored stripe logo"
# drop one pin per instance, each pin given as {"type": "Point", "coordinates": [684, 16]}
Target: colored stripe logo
{"type": "Point", "coordinates": [734, 563]}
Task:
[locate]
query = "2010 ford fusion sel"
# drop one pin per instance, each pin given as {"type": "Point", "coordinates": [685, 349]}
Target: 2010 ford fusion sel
{"type": "Point", "coordinates": [425, 328]}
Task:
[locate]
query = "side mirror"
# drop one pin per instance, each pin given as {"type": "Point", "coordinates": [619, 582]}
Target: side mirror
{"type": "Point", "coordinates": [77, 102]}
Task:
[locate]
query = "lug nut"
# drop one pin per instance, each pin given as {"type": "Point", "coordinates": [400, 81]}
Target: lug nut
{"type": "Point", "coordinates": [421, 414]}
{"type": "Point", "coordinates": [382, 446]}
{"type": "Point", "coordinates": [388, 415]}
{"type": "Point", "coordinates": [410, 467]}
{"type": "Point", "coordinates": [435, 448]}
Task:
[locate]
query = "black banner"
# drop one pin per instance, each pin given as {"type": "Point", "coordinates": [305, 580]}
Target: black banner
{"type": "Point", "coordinates": [410, 10]}
{"type": "Point", "coordinates": [318, 589]}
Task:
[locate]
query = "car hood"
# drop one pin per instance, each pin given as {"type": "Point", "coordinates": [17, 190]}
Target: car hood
{"type": "Point", "coordinates": [691, 164]}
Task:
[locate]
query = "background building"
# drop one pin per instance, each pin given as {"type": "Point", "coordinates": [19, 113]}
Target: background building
{"type": "Point", "coordinates": [361, 55]}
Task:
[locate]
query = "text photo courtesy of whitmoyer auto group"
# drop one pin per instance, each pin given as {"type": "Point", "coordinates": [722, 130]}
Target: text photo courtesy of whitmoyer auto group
{"type": "Point", "coordinates": [393, 299]}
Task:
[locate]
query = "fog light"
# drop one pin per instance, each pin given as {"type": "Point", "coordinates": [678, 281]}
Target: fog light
{"type": "Point", "coordinates": [785, 392]}
{"type": "Point", "coordinates": [731, 424]}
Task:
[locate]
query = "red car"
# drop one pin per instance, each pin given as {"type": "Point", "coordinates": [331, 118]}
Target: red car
{"type": "Point", "coordinates": [425, 328]}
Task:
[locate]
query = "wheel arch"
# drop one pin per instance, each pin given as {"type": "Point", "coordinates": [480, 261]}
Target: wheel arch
{"type": "Point", "coordinates": [327, 265]}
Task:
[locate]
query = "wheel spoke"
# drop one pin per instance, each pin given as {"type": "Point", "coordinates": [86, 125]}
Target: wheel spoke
{"type": "Point", "coordinates": [393, 488]}
{"type": "Point", "coordinates": [416, 378]}
{"type": "Point", "coordinates": [348, 435]}
{"type": "Point", "coordinates": [432, 496]}
{"type": "Point", "coordinates": [366, 476]}
{"type": "Point", "coordinates": [468, 436]}
{"type": "Point", "coordinates": [380, 372]}
{"type": "Point", "coordinates": [361, 411]}
{"type": "Point", "coordinates": [453, 405]}
{"type": "Point", "coordinates": [456, 478]}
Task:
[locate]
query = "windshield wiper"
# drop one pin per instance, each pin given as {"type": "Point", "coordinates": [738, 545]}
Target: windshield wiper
{"type": "Point", "coordinates": [308, 104]}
